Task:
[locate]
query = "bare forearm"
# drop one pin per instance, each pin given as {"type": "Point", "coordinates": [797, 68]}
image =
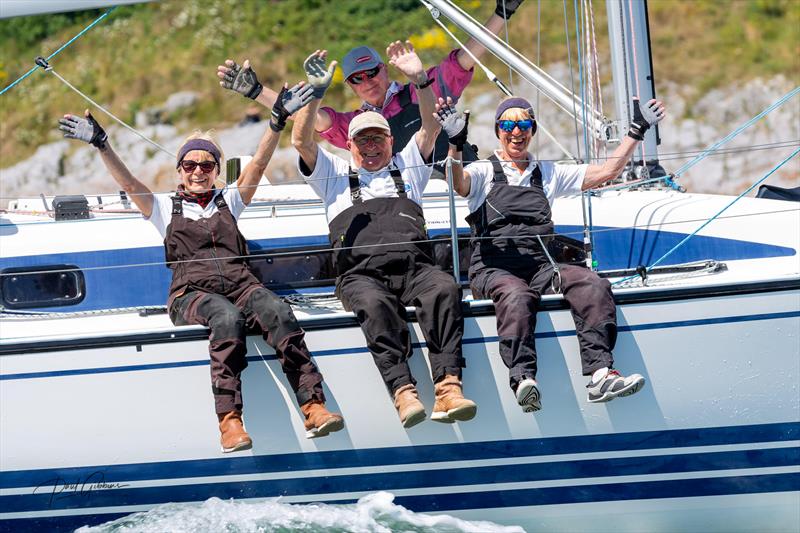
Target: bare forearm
{"type": "Point", "coordinates": [461, 181]}
{"type": "Point", "coordinates": [597, 175]}
{"type": "Point", "coordinates": [251, 175]}
{"type": "Point", "coordinates": [495, 24]}
{"type": "Point", "coordinates": [138, 191]}
{"type": "Point", "coordinates": [429, 126]}
{"type": "Point", "coordinates": [303, 133]}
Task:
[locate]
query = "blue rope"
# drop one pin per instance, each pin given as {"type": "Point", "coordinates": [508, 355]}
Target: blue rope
{"type": "Point", "coordinates": [87, 28]}
{"type": "Point", "coordinates": [707, 222]}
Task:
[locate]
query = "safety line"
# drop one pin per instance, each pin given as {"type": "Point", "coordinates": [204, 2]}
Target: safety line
{"type": "Point", "coordinates": [87, 28]}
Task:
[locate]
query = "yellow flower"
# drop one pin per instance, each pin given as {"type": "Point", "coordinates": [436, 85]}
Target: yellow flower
{"type": "Point", "coordinates": [434, 38]}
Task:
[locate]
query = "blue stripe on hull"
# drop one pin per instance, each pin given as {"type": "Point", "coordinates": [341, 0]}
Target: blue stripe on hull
{"type": "Point", "coordinates": [48, 496]}
{"type": "Point", "coordinates": [416, 345]}
{"type": "Point", "coordinates": [511, 498]}
{"type": "Point", "coordinates": [501, 449]}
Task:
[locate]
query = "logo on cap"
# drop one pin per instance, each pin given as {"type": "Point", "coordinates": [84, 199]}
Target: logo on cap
{"type": "Point", "coordinates": [362, 59]}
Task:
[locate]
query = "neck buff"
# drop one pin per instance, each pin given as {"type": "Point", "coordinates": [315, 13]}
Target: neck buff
{"type": "Point", "coordinates": [201, 198]}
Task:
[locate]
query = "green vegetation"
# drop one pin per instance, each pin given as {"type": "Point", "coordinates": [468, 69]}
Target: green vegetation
{"type": "Point", "coordinates": [141, 54]}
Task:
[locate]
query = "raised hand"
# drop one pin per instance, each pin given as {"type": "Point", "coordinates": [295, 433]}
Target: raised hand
{"type": "Point", "coordinates": [454, 123]}
{"type": "Point", "coordinates": [289, 102]}
{"type": "Point", "coordinates": [242, 80]}
{"type": "Point", "coordinates": [84, 129]}
{"type": "Point", "coordinates": [406, 60]}
{"type": "Point", "coordinates": [506, 8]}
{"type": "Point", "coordinates": [319, 77]}
{"type": "Point", "coordinates": [644, 117]}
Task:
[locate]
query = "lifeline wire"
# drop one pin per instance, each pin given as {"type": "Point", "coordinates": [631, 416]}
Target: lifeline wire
{"type": "Point", "coordinates": [707, 222]}
{"type": "Point", "coordinates": [87, 28]}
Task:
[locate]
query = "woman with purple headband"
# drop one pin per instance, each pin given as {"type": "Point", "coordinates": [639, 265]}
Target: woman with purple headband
{"type": "Point", "coordinates": [202, 241]}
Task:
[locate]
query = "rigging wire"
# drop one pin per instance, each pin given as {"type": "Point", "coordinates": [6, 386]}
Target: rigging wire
{"type": "Point", "coordinates": [707, 222]}
{"type": "Point", "coordinates": [664, 156]}
{"type": "Point", "coordinates": [87, 28]}
{"type": "Point", "coordinates": [464, 238]}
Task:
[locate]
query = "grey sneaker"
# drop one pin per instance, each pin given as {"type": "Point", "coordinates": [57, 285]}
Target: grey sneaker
{"type": "Point", "coordinates": [606, 384]}
{"type": "Point", "coordinates": [528, 395]}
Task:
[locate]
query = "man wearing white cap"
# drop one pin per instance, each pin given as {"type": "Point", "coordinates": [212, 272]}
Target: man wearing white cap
{"type": "Point", "coordinates": [366, 74]}
{"type": "Point", "coordinates": [381, 251]}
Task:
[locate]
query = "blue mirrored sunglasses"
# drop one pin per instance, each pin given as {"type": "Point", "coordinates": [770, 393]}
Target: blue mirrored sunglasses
{"type": "Point", "coordinates": [509, 125]}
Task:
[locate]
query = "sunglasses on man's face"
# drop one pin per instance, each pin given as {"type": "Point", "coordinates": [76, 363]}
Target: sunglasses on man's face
{"type": "Point", "coordinates": [188, 166]}
{"type": "Point", "coordinates": [509, 125]}
{"type": "Point", "coordinates": [360, 77]}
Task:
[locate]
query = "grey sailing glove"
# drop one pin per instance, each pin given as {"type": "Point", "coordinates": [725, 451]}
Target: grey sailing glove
{"type": "Point", "coordinates": [242, 80]}
{"type": "Point", "coordinates": [289, 101]}
{"type": "Point", "coordinates": [319, 76]}
{"type": "Point", "coordinates": [644, 117]}
{"type": "Point", "coordinates": [455, 124]}
{"type": "Point", "coordinates": [506, 8]}
{"type": "Point", "coordinates": [84, 129]}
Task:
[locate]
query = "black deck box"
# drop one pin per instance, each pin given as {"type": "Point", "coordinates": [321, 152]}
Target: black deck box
{"type": "Point", "coordinates": [73, 207]}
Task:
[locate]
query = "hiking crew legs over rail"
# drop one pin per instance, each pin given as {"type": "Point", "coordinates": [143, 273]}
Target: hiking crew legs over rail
{"type": "Point", "coordinates": [509, 200]}
{"type": "Point", "coordinates": [381, 252]}
{"type": "Point", "coordinates": [212, 284]}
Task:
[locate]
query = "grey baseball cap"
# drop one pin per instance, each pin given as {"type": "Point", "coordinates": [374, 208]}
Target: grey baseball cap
{"type": "Point", "coordinates": [359, 59]}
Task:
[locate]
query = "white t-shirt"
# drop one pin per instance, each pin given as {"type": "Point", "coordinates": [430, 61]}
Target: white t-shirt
{"type": "Point", "coordinates": [162, 208]}
{"type": "Point", "coordinates": [557, 180]}
{"type": "Point", "coordinates": [330, 180]}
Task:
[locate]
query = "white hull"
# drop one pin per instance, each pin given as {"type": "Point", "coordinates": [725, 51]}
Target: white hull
{"type": "Point", "coordinates": [107, 414]}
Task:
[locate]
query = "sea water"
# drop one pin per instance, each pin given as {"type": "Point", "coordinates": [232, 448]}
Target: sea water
{"type": "Point", "coordinates": [374, 513]}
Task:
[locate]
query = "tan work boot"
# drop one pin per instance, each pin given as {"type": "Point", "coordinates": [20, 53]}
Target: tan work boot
{"type": "Point", "coordinates": [410, 409]}
{"type": "Point", "coordinates": [234, 437]}
{"type": "Point", "coordinates": [319, 421]}
{"type": "Point", "coordinates": [450, 402]}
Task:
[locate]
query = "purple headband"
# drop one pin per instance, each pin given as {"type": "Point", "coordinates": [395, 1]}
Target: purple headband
{"type": "Point", "coordinates": [511, 103]}
{"type": "Point", "coordinates": [198, 144]}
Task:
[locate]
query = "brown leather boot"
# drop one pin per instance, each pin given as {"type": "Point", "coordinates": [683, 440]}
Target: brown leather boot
{"type": "Point", "coordinates": [450, 403]}
{"type": "Point", "coordinates": [410, 409]}
{"type": "Point", "coordinates": [234, 437]}
{"type": "Point", "coordinates": [320, 421]}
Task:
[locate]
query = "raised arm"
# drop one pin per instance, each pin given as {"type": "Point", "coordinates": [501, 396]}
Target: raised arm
{"type": "Point", "coordinates": [243, 80]}
{"type": "Point", "coordinates": [652, 113]}
{"type": "Point", "coordinates": [287, 102]}
{"type": "Point", "coordinates": [406, 60]}
{"type": "Point", "coordinates": [504, 9]}
{"type": "Point", "coordinates": [319, 77]}
{"type": "Point", "coordinates": [456, 126]}
{"type": "Point", "coordinates": [88, 130]}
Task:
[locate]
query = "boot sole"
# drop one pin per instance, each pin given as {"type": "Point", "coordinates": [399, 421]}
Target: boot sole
{"type": "Point", "coordinates": [238, 448]}
{"type": "Point", "coordinates": [331, 426]}
{"type": "Point", "coordinates": [460, 414]}
{"type": "Point", "coordinates": [414, 418]}
{"type": "Point", "coordinates": [633, 388]}
{"type": "Point", "coordinates": [529, 398]}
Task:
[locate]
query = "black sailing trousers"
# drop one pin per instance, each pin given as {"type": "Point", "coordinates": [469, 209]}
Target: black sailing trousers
{"type": "Point", "coordinates": [516, 294]}
{"type": "Point", "coordinates": [378, 298]}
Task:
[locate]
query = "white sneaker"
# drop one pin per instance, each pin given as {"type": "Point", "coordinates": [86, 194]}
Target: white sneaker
{"type": "Point", "coordinates": [606, 384]}
{"type": "Point", "coordinates": [528, 395]}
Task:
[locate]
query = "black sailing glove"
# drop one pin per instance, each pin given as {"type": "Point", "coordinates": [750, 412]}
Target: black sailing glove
{"type": "Point", "coordinates": [84, 129]}
{"type": "Point", "coordinates": [289, 101]}
{"type": "Point", "coordinates": [243, 80]}
{"type": "Point", "coordinates": [455, 124]}
{"type": "Point", "coordinates": [506, 8]}
{"type": "Point", "coordinates": [643, 118]}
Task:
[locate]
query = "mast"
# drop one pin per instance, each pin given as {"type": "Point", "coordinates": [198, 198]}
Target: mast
{"type": "Point", "coordinates": [600, 127]}
{"type": "Point", "coordinates": [632, 69]}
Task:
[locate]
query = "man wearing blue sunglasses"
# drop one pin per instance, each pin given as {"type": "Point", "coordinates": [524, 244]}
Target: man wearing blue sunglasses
{"type": "Point", "coordinates": [509, 199]}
